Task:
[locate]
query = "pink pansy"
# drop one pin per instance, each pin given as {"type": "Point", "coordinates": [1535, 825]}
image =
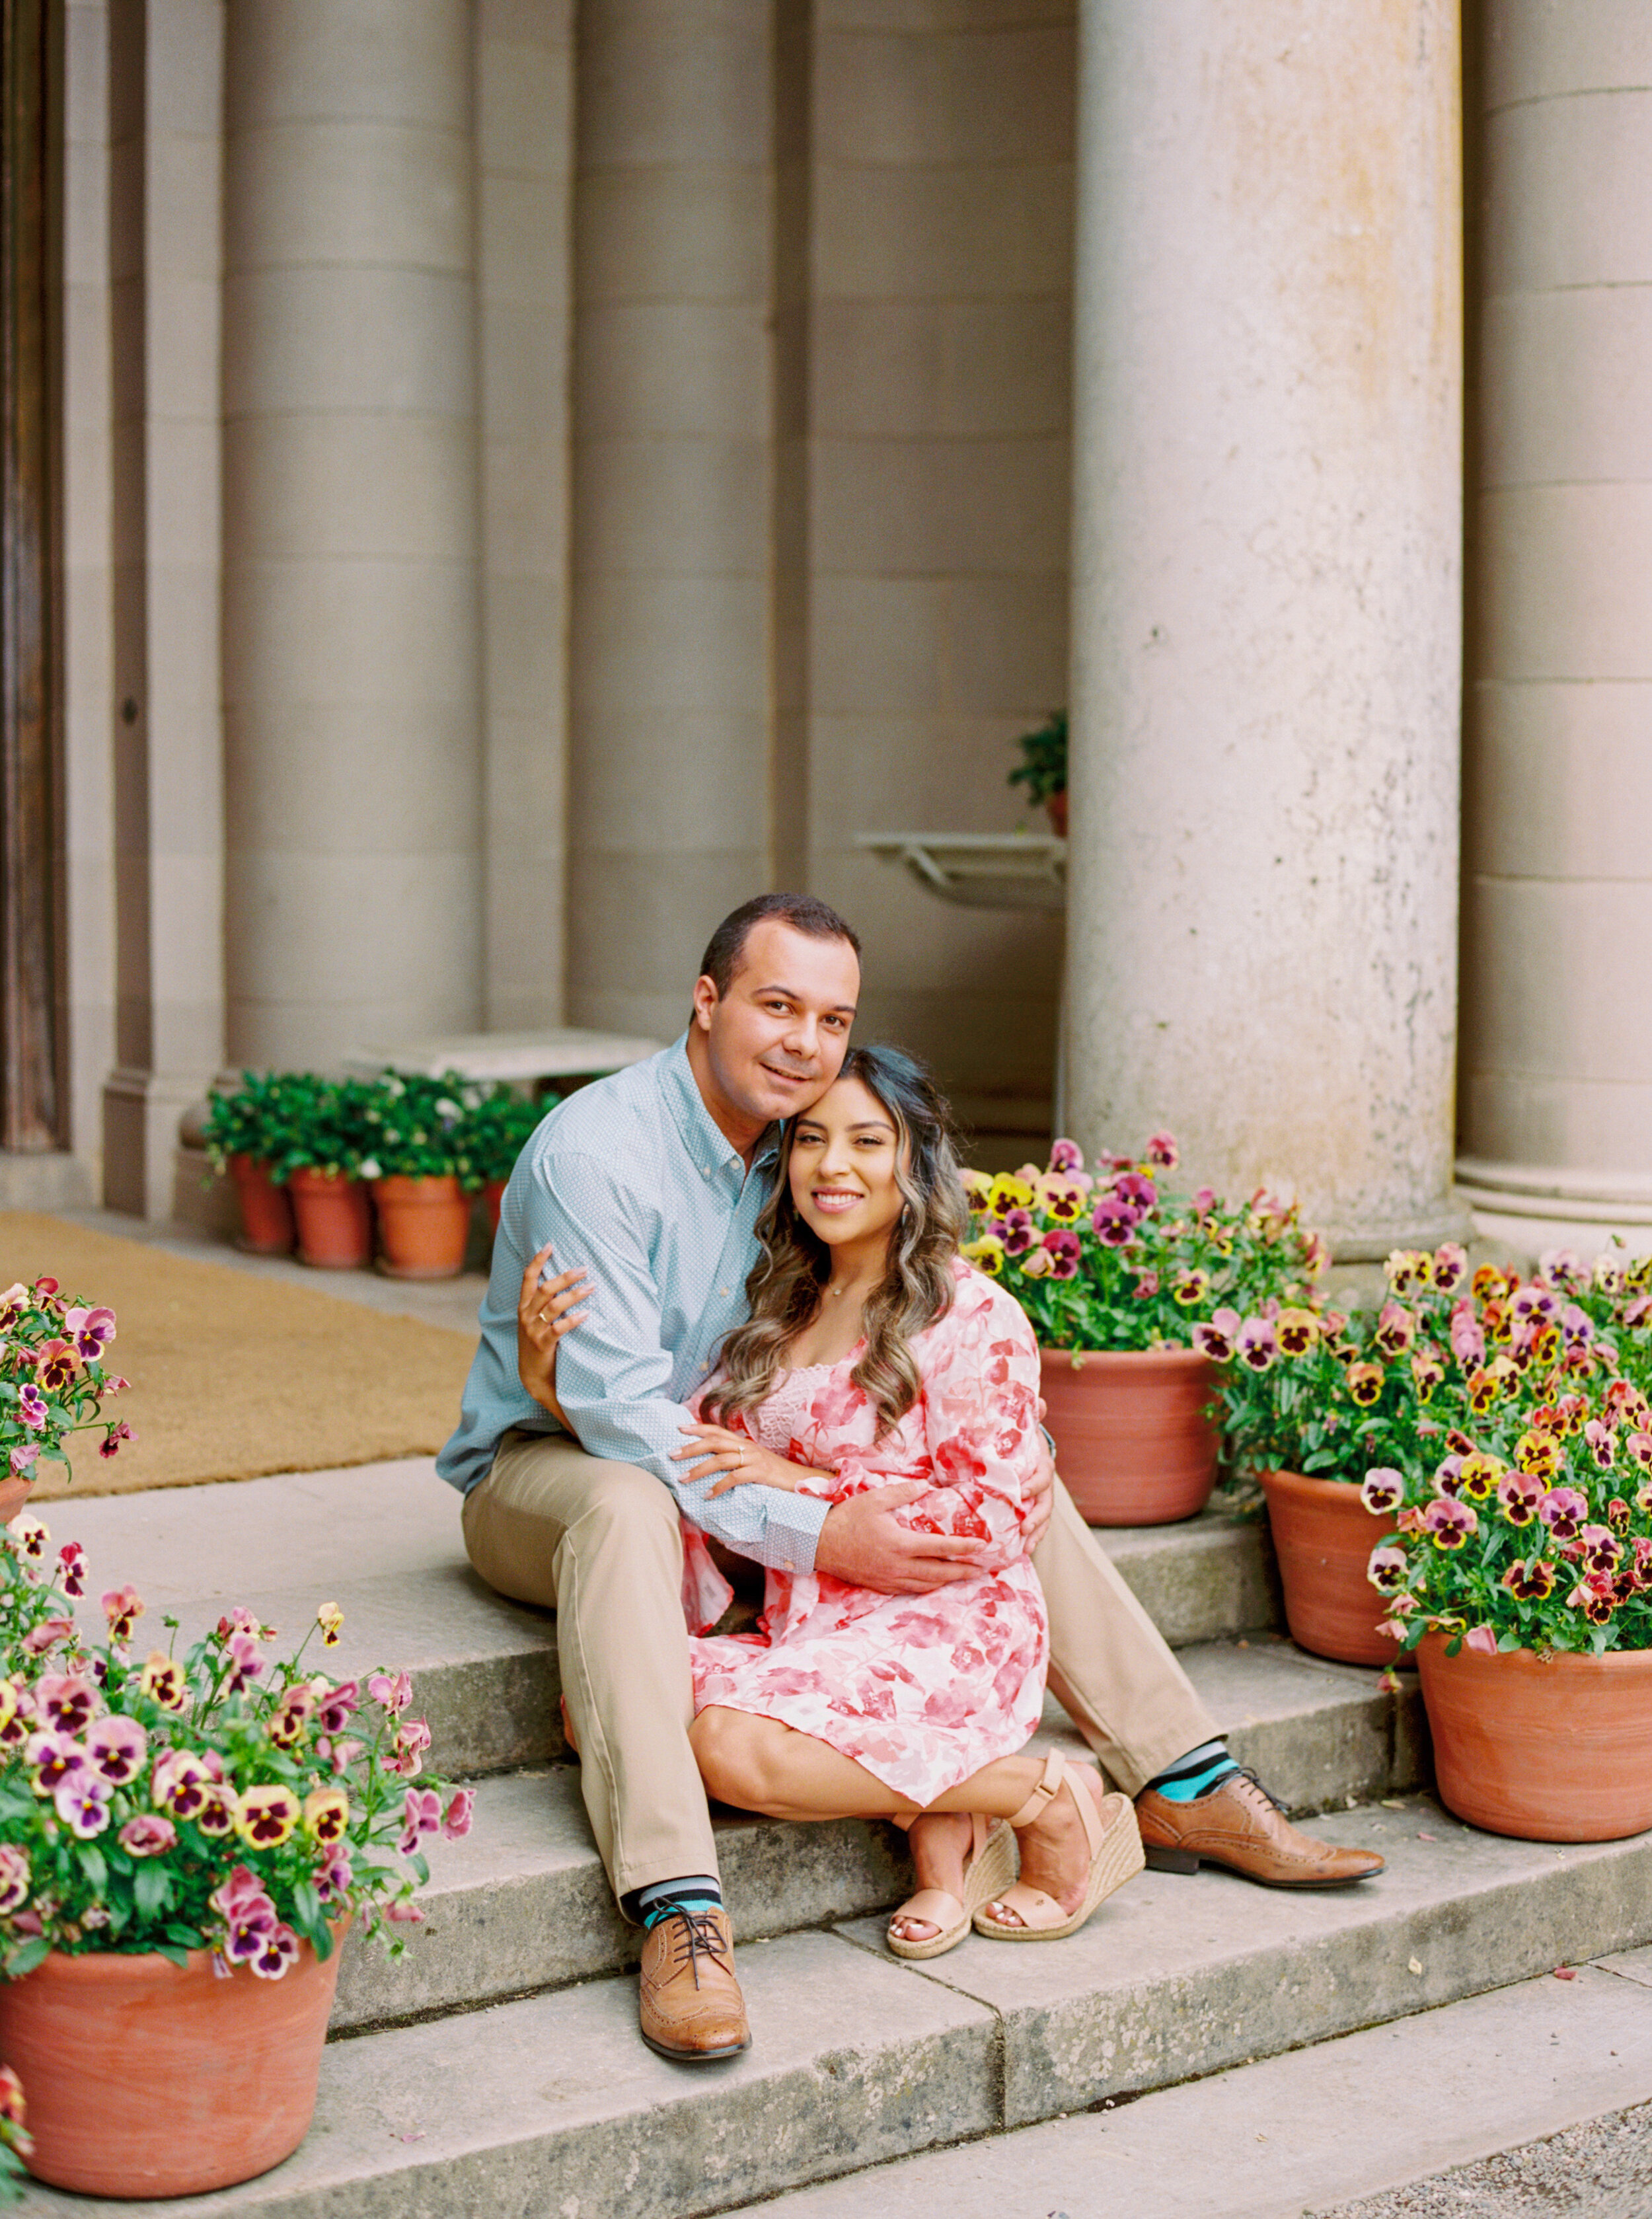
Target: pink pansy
{"type": "Point", "coordinates": [1602, 1442]}
{"type": "Point", "coordinates": [332, 1879]}
{"type": "Point", "coordinates": [278, 1950]}
{"type": "Point", "coordinates": [1115, 1223]}
{"type": "Point", "coordinates": [31, 1406]}
{"type": "Point", "coordinates": [14, 1879]}
{"type": "Point", "coordinates": [1451, 1266]}
{"type": "Point", "coordinates": [1384, 1490]}
{"type": "Point", "coordinates": [23, 1459]}
{"type": "Point", "coordinates": [1066, 1156]}
{"type": "Point", "coordinates": [114, 1384]}
{"type": "Point", "coordinates": [245, 1662]}
{"type": "Point", "coordinates": [72, 1558]}
{"type": "Point", "coordinates": [110, 1444]}
{"type": "Point", "coordinates": [1564, 1267]}
{"type": "Point", "coordinates": [1064, 1253]}
{"type": "Point", "coordinates": [123, 1608]}
{"type": "Point", "coordinates": [1386, 1569]}
{"type": "Point", "coordinates": [1563, 1510]}
{"type": "Point", "coordinates": [1448, 1478]}
{"type": "Point", "coordinates": [405, 1914]}
{"type": "Point", "coordinates": [421, 1813]}
{"type": "Point", "coordinates": [1576, 1326]}
{"type": "Point", "coordinates": [455, 1819]}
{"type": "Point", "coordinates": [1482, 1639]}
{"type": "Point", "coordinates": [117, 1747]}
{"type": "Point", "coordinates": [1255, 1346]}
{"type": "Point", "coordinates": [1205, 1199]}
{"type": "Point", "coordinates": [40, 1639]}
{"type": "Point", "coordinates": [1145, 1287]}
{"type": "Point", "coordinates": [394, 1690]}
{"type": "Point", "coordinates": [68, 1701]}
{"type": "Point", "coordinates": [148, 1835]}
{"type": "Point", "coordinates": [1601, 1548]}
{"type": "Point", "coordinates": [334, 1706]}
{"type": "Point", "coordinates": [82, 1803]}
{"type": "Point", "coordinates": [1161, 1151]}
{"type": "Point", "coordinates": [181, 1782]}
{"type": "Point", "coordinates": [1396, 1329]}
{"type": "Point", "coordinates": [1520, 1493]}
{"type": "Point", "coordinates": [413, 1739]}
{"type": "Point", "coordinates": [1219, 1338]}
{"type": "Point", "coordinates": [1448, 1524]}
{"type": "Point", "coordinates": [1140, 1193]}
{"type": "Point", "coordinates": [57, 1759]}
{"type": "Point", "coordinates": [92, 1329]}
{"type": "Point", "coordinates": [31, 1536]}
{"type": "Point", "coordinates": [1019, 1233]}
{"type": "Point", "coordinates": [55, 1364]}
{"type": "Point", "coordinates": [232, 1896]}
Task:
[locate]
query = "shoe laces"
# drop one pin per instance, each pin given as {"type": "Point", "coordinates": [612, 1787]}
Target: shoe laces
{"type": "Point", "coordinates": [1267, 1794]}
{"type": "Point", "coordinates": [696, 1934]}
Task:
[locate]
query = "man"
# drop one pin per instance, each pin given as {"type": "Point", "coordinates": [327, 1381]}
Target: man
{"type": "Point", "coordinates": [653, 1179]}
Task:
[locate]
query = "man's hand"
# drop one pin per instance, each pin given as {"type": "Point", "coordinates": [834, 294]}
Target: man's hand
{"type": "Point", "coordinates": [864, 1544]}
{"type": "Point", "coordinates": [1041, 1496]}
{"type": "Point", "coordinates": [543, 1314]}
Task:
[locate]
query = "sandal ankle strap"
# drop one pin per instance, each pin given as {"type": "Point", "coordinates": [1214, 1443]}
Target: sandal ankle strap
{"type": "Point", "coordinates": [1055, 1770]}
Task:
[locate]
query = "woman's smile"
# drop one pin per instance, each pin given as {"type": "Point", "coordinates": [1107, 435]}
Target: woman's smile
{"type": "Point", "coordinates": [834, 1198]}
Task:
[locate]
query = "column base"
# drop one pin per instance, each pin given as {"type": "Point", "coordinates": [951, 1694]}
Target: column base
{"type": "Point", "coordinates": [1531, 1206]}
{"type": "Point", "coordinates": [50, 1181]}
{"type": "Point", "coordinates": [1449, 1219]}
{"type": "Point", "coordinates": [146, 1172]}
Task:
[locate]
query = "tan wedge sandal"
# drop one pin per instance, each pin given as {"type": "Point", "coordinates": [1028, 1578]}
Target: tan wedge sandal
{"type": "Point", "coordinates": [991, 1860]}
{"type": "Point", "coordinates": [1115, 1853]}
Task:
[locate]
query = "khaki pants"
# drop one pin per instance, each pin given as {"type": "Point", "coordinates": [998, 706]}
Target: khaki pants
{"type": "Point", "coordinates": [600, 1542]}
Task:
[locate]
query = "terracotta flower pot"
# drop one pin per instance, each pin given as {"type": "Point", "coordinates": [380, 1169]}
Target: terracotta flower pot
{"type": "Point", "coordinates": [13, 1493]}
{"type": "Point", "coordinates": [1548, 1749]}
{"type": "Point", "coordinates": [334, 1220]}
{"type": "Point", "coordinates": [1134, 1440]}
{"type": "Point", "coordinates": [1323, 1536]}
{"type": "Point", "coordinates": [148, 2078]}
{"type": "Point", "coordinates": [423, 1224]}
{"type": "Point", "coordinates": [266, 1208]}
{"type": "Point", "coordinates": [1056, 809]}
{"type": "Point", "coordinates": [492, 1195]}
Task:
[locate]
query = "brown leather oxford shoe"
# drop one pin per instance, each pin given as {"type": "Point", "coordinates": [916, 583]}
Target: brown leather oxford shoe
{"type": "Point", "coordinates": [690, 2002]}
{"type": "Point", "coordinates": [1239, 1825]}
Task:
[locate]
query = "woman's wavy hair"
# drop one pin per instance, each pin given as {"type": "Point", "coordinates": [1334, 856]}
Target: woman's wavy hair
{"type": "Point", "coordinates": [784, 1289]}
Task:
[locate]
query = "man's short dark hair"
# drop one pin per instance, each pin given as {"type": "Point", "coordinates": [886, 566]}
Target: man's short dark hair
{"type": "Point", "coordinates": [801, 911]}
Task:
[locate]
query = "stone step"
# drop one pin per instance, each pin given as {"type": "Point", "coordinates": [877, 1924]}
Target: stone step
{"type": "Point", "coordinates": [1299, 2132]}
{"type": "Point", "coordinates": [550, 2104]}
{"type": "Point", "coordinates": [382, 1541]}
{"type": "Point", "coordinates": [522, 1902]}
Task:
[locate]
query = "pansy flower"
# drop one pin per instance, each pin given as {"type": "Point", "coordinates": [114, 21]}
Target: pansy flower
{"type": "Point", "coordinates": [31, 1406]}
{"type": "Point", "coordinates": [93, 1330]}
{"type": "Point", "coordinates": [55, 1366]}
{"type": "Point", "coordinates": [221, 1810]}
{"type": "Point", "coordinates": [110, 1444]}
{"type": "Point", "coordinates": [1533, 1582]}
{"type": "Point", "coordinates": [1382, 1491]}
{"type": "Point", "coordinates": [117, 1747]}
{"type": "Point", "coordinates": [1537, 1453]}
{"type": "Point", "coordinates": [1519, 1493]}
{"type": "Point", "coordinates": [1448, 1476]}
{"type": "Point", "coordinates": [50, 1633]}
{"type": "Point", "coordinates": [412, 1740]}
{"type": "Point", "coordinates": [330, 1618]}
{"type": "Point", "coordinates": [123, 1608]}
{"type": "Point", "coordinates": [1019, 1233]}
{"type": "Point", "coordinates": [268, 1814]}
{"type": "Point", "coordinates": [82, 1803]}
{"type": "Point", "coordinates": [332, 1878]}
{"type": "Point", "coordinates": [1140, 1193]}
{"type": "Point", "coordinates": [1426, 1372]}
{"type": "Point", "coordinates": [1066, 1156]}
{"type": "Point", "coordinates": [67, 1701]}
{"type": "Point", "coordinates": [1387, 1570]}
{"type": "Point", "coordinates": [1145, 1285]}
{"type": "Point", "coordinates": [57, 1760]}
{"type": "Point", "coordinates": [1478, 1478]}
{"type": "Point", "coordinates": [1602, 1443]}
{"type": "Point", "coordinates": [1255, 1346]}
{"type": "Point", "coordinates": [1594, 1597]}
{"type": "Point", "coordinates": [421, 1813]}
{"type": "Point", "coordinates": [1449, 1525]}
{"type": "Point", "coordinates": [1619, 1516]}
{"type": "Point", "coordinates": [1064, 1203]}
{"type": "Point", "coordinates": [161, 1680]}
{"type": "Point", "coordinates": [1365, 1385]}
{"type": "Point", "coordinates": [1008, 1193]}
{"type": "Point", "coordinates": [1115, 1223]}
{"type": "Point", "coordinates": [291, 1715]}
{"type": "Point", "coordinates": [1601, 1548]}
{"type": "Point", "coordinates": [1036, 1264]}
{"type": "Point", "coordinates": [1190, 1287]}
{"type": "Point", "coordinates": [334, 1706]}
{"type": "Point", "coordinates": [14, 1878]}
{"type": "Point", "coordinates": [455, 1819]}
{"type": "Point", "coordinates": [1563, 1510]}
{"type": "Point", "coordinates": [1451, 1266]}
{"type": "Point", "coordinates": [1219, 1337]}
{"type": "Point", "coordinates": [180, 1783]}
{"type": "Point", "coordinates": [1296, 1331]}
{"type": "Point", "coordinates": [326, 1815]}
{"type": "Point", "coordinates": [1161, 1152]}
{"type": "Point", "coordinates": [148, 1835]}
{"type": "Point", "coordinates": [1064, 1251]}
{"type": "Point", "coordinates": [986, 1254]}
{"type": "Point", "coordinates": [246, 1664]}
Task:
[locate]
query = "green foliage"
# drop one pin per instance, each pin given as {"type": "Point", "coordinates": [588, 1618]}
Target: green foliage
{"type": "Point", "coordinates": [397, 1126]}
{"type": "Point", "coordinates": [417, 1128]}
{"type": "Point", "coordinates": [500, 1127]}
{"type": "Point", "coordinates": [1043, 767]}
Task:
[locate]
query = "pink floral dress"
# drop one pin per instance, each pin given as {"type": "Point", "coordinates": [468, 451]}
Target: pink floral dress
{"type": "Point", "coordinates": [923, 1690]}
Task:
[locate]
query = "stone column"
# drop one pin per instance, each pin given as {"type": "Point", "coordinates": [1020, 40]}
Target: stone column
{"type": "Point", "coordinates": [1263, 918]}
{"type": "Point", "coordinates": [669, 654]}
{"type": "Point", "coordinates": [1557, 1056]}
{"type": "Point", "coordinates": [351, 643]}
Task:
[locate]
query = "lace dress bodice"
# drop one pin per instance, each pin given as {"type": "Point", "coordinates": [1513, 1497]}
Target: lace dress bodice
{"type": "Point", "coordinates": [778, 1421]}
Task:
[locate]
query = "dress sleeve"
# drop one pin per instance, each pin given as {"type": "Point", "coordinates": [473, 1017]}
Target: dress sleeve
{"type": "Point", "coordinates": [980, 1432]}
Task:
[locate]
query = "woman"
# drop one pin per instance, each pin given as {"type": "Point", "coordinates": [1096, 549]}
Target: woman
{"type": "Point", "coordinates": [873, 1354]}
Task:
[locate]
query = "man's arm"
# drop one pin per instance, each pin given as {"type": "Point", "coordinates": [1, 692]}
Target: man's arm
{"type": "Point", "coordinates": [613, 1375]}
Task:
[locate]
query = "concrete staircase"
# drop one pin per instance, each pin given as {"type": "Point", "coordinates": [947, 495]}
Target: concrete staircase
{"type": "Point", "coordinates": [495, 2068]}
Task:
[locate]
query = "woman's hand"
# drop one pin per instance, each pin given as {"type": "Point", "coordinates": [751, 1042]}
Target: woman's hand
{"type": "Point", "coordinates": [737, 1461]}
{"type": "Point", "coordinates": [545, 1312]}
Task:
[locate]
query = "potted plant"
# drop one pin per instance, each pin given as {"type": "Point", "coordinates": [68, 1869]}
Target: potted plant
{"type": "Point", "coordinates": [1523, 1580]}
{"type": "Point", "coordinates": [1113, 1270]}
{"type": "Point", "coordinates": [321, 1163]}
{"type": "Point", "coordinates": [54, 1380]}
{"type": "Point", "coordinates": [1043, 769]}
{"type": "Point", "coordinates": [500, 1127]}
{"type": "Point", "coordinates": [423, 1170]}
{"type": "Point", "coordinates": [246, 1133]}
{"type": "Point", "coordinates": [183, 1842]}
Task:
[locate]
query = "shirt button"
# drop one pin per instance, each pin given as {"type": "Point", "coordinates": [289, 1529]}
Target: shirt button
{"type": "Point", "coordinates": [724, 1291]}
{"type": "Point", "coordinates": [787, 1565]}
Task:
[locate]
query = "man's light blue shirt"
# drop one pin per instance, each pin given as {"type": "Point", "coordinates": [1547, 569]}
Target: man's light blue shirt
{"type": "Point", "coordinates": [632, 1178]}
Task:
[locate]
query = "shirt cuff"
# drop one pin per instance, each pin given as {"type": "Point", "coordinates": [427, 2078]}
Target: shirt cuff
{"type": "Point", "coordinates": [791, 1531]}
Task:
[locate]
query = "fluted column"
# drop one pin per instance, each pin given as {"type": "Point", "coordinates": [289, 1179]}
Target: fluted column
{"type": "Point", "coordinates": [1557, 1053]}
{"type": "Point", "coordinates": [352, 686]}
{"type": "Point", "coordinates": [670, 651]}
{"type": "Point", "coordinates": [1266, 580]}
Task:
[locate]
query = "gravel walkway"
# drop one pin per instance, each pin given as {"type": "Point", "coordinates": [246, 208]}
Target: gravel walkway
{"type": "Point", "coordinates": [1600, 2170]}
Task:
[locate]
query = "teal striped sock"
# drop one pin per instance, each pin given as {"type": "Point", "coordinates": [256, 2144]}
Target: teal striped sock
{"type": "Point", "coordinates": [696, 1891]}
{"type": "Point", "coordinates": [1195, 1773]}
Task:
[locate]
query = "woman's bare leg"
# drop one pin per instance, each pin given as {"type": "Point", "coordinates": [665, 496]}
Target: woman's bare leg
{"type": "Point", "coordinates": [758, 1764]}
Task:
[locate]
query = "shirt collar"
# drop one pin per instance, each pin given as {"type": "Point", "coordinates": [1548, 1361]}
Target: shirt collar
{"type": "Point", "coordinates": [706, 1144]}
